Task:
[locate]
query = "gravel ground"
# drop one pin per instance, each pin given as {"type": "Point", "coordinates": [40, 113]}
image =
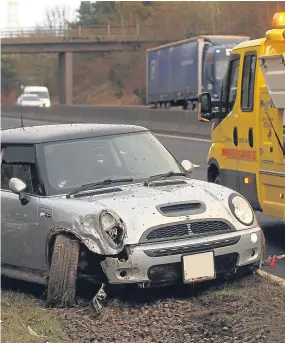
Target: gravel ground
{"type": "Point", "coordinates": [247, 310]}
{"type": "Point", "coordinates": [251, 309]}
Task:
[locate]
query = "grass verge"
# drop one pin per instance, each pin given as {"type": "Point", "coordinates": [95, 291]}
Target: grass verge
{"type": "Point", "coordinates": [24, 319]}
{"type": "Point", "coordinates": [248, 310]}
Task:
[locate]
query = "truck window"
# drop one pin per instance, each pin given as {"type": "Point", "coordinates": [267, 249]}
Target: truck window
{"type": "Point", "coordinates": [248, 78]}
{"type": "Point", "coordinates": [229, 91]}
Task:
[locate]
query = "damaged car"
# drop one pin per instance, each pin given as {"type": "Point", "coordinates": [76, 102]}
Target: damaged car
{"type": "Point", "coordinates": [111, 204]}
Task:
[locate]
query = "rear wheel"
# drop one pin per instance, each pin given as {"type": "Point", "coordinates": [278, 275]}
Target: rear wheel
{"type": "Point", "coordinates": [63, 271]}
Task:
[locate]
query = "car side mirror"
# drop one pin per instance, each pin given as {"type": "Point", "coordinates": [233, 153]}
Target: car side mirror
{"type": "Point", "coordinates": [205, 112]}
{"type": "Point", "coordinates": [187, 165]}
{"type": "Point", "coordinates": [17, 186]}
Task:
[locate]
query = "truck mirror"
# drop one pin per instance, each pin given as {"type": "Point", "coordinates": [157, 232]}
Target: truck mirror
{"type": "Point", "coordinates": [205, 107]}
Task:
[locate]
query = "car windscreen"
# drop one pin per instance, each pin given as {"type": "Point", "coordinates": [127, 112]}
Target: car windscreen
{"type": "Point", "coordinates": [69, 164]}
{"type": "Point", "coordinates": [42, 95]}
{"type": "Point", "coordinates": [30, 98]}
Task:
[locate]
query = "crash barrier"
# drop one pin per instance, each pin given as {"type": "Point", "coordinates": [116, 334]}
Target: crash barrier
{"type": "Point", "coordinates": [158, 120]}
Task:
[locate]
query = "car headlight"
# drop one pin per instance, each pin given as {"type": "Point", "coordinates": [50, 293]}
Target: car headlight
{"type": "Point", "coordinates": [241, 209]}
{"type": "Point", "coordinates": [113, 228]}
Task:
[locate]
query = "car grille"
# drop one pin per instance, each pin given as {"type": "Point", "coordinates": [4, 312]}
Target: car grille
{"type": "Point", "coordinates": [172, 272]}
{"type": "Point", "coordinates": [192, 248]}
{"type": "Point", "coordinates": [188, 230]}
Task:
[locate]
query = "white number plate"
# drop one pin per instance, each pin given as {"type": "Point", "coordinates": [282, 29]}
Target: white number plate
{"type": "Point", "coordinates": [198, 267]}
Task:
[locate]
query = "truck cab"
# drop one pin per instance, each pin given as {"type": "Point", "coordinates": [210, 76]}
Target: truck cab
{"type": "Point", "coordinates": [215, 65]}
{"type": "Point", "coordinates": [247, 153]}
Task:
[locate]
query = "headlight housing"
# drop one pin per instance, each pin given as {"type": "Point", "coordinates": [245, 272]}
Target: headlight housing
{"type": "Point", "coordinates": [113, 228]}
{"type": "Point", "coordinates": [241, 209]}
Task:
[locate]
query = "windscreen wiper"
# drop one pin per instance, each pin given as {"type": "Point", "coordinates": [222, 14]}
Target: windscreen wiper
{"type": "Point", "coordinates": [97, 184]}
{"type": "Point", "coordinates": [163, 176]}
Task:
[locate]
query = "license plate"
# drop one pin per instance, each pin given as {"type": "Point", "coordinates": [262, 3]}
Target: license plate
{"type": "Point", "coordinates": [198, 267]}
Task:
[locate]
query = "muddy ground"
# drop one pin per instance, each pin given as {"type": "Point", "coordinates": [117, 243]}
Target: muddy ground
{"type": "Point", "coordinates": [248, 310]}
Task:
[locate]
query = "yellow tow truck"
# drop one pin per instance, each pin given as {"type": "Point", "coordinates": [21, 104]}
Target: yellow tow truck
{"type": "Point", "coordinates": [247, 152]}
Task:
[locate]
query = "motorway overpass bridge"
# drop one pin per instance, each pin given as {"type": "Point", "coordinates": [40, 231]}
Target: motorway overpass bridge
{"type": "Point", "coordinates": [66, 42]}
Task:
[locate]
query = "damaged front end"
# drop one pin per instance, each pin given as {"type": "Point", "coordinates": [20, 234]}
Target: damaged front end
{"type": "Point", "coordinates": [102, 233]}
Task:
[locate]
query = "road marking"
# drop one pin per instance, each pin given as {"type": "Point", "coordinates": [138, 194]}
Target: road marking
{"type": "Point", "coordinates": [184, 137]}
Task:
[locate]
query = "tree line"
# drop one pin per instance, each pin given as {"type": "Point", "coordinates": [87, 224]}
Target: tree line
{"type": "Point", "coordinates": [166, 20]}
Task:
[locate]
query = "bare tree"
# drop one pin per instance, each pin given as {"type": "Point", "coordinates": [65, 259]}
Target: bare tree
{"type": "Point", "coordinates": [57, 18]}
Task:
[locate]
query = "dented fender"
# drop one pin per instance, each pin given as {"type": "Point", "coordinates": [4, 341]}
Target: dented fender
{"type": "Point", "coordinates": [86, 229]}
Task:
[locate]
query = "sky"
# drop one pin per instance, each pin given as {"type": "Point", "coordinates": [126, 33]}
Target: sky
{"type": "Point", "coordinates": [31, 12]}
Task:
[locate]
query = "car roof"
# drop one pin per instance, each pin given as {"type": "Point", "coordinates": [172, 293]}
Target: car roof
{"type": "Point", "coordinates": [35, 88]}
{"type": "Point", "coordinates": [62, 132]}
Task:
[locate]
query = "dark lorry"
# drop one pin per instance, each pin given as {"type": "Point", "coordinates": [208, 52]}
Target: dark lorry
{"type": "Point", "coordinates": [177, 72]}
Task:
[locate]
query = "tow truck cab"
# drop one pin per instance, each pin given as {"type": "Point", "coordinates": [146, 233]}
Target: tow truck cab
{"type": "Point", "coordinates": [247, 152]}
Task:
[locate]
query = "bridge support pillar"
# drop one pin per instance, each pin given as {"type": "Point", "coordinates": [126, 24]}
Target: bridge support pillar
{"type": "Point", "coordinates": [65, 78]}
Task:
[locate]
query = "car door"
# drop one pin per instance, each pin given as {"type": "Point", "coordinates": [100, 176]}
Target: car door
{"type": "Point", "coordinates": [225, 136]}
{"type": "Point", "coordinates": [248, 130]}
{"type": "Point", "coordinates": [22, 241]}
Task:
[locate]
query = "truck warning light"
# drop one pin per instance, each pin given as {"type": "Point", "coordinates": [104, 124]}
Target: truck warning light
{"type": "Point", "coordinates": [278, 20]}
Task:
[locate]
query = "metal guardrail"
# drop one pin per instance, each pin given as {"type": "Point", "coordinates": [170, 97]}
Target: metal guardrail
{"type": "Point", "coordinates": [163, 121]}
{"type": "Point", "coordinates": [80, 32]}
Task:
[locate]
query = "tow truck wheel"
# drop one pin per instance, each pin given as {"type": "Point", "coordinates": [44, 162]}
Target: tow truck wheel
{"type": "Point", "coordinates": [63, 271]}
{"type": "Point", "coordinates": [218, 180]}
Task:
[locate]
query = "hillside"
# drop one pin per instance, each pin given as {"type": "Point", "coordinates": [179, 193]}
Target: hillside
{"type": "Point", "coordinates": [119, 78]}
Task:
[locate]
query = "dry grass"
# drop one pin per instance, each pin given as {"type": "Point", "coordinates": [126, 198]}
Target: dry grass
{"type": "Point", "coordinates": [25, 320]}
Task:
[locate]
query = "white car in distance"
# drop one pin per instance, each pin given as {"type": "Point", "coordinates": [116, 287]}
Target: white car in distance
{"type": "Point", "coordinates": [42, 92]}
{"type": "Point", "coordinates": [30, 100]}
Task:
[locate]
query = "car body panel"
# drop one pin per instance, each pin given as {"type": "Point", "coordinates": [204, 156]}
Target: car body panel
{"type": "Point", "coordinates": [28, 230]}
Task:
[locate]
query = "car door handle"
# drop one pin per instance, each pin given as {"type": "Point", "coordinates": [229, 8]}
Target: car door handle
{"type": "Point", "coordinates": [235, 136]}
{"type": "Point", "coordinates": [250, 137]}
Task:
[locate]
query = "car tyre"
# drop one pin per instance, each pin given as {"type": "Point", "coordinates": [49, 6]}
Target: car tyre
{"type": "Point", "coordinates": [218, 180]}
{"type": "Point", "coordinates": [63, 272]}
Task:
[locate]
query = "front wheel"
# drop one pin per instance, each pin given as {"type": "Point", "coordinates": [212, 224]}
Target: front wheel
{"type": "Point", "coordinates": [218, 180]}
{"type": "Point", "coordinates": [63, 271]}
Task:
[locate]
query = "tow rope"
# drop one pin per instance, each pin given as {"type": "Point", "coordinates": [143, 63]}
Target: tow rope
{"type": "Point", "coordinates": [272, 260]}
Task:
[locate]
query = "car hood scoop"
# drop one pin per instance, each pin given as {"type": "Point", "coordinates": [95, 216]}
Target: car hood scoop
{"type": "Point", "coordinates": [184, 208]}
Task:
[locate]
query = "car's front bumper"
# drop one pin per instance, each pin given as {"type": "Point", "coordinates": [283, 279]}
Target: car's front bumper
{"type": "Point", "coordinates": [161, 263]}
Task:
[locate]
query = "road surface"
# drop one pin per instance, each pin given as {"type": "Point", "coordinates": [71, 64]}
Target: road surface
{"type": "Point", "coordinates": [196, 150]}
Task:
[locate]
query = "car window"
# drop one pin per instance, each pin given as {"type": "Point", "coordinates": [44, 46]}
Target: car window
{"type": "Point", "coordinates": [230, 86]}
{"type": "Point", "coordinates": [40, 94]}
{"type": "Point", "coordinates": [70, 164]}
{"type": "Point", "coordinates": [248, 78]}
{"type": "Point", "coordinates": [20, 162]}
{"type": "Point", "coordinates": [30, 98]}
